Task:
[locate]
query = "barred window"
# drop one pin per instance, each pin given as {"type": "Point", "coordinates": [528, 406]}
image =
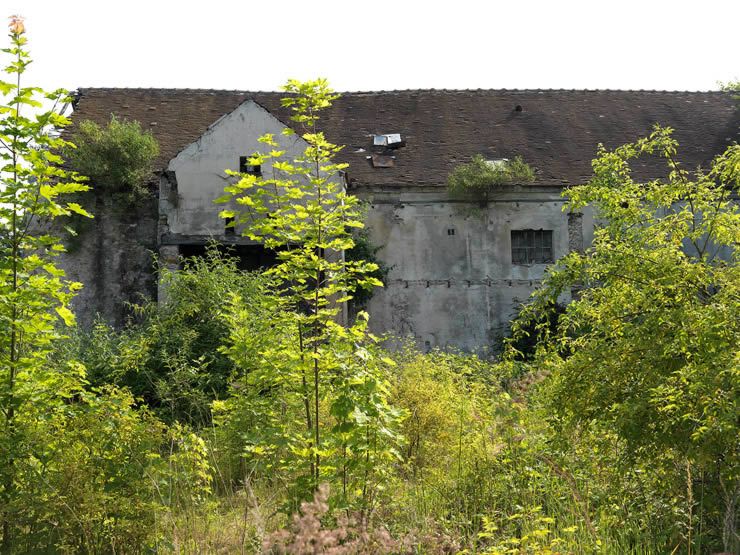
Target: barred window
{"type": "Point", "coordinates": [531, 246]}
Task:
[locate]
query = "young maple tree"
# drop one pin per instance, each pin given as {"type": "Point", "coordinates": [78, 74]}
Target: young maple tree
{"type": "Point", "coordinates": [327, 375]}
{"type": "Point", "coordinates": [33, 292]}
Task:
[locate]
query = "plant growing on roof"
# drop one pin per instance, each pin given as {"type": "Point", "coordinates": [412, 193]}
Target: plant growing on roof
{"type": "Point", "coordinates": [323, 375]}
{"type": "Point", "coordinates": [117, 157]}
{"type": "Point", "coordinates": [480, 179]}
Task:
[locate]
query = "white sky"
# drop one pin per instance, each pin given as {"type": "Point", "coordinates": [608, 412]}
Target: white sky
{"type": "Point", "coordinates": [381, 44]}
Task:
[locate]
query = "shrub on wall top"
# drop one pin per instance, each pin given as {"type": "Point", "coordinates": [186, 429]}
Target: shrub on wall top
{"type": "Point", "coordinates": [117, 157]}
{"type": "Point", "coordinates": [480, 178]}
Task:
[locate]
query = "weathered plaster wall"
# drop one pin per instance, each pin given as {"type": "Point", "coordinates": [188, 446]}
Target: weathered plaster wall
{"type": "Point", "coordinates": [186, 202]}
{"type": "Point", "coordinates": [451, 282]}
{"type": "Point", "coordinates": [459, 290]}
{"type": "Point", "coordinates": [113, 258]}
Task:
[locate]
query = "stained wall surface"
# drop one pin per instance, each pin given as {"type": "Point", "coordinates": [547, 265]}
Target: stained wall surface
{"type": "Point", "coordinates": [444, 289]}
{"type": "Point", "coordinates": [186, 203]}
{"type": "Point", "coordinates": [451, 280]}
{"type": "Point", "coordinates": [113, 256]}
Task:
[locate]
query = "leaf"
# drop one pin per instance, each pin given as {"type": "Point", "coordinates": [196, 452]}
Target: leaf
{"type": "Point", "coordinates": [66, 315]}
{"type": "Point", "coordinates": [77, 209]}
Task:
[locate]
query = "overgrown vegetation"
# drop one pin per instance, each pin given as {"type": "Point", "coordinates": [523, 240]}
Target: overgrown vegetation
{"type": "Point", "coordinates": [329, 381]}
{"type": "Point", "coordinates": [480, 179]}
{"type": "Point", "coordinates": [649, 349]}
{"type": "Point", "coordinates": [241, 416]}
{"type": "Point", "coordinates": [80, 469]}
{"type": "Point", "coordinates": [364, 249]}
{"type": "Point", "coordinates": [117, 157]}
{"type": "Point", "coordinates": [171, 356]}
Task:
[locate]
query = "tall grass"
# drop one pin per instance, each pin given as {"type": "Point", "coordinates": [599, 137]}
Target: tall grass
{"type": "Point", "coordinates": [482, 471]}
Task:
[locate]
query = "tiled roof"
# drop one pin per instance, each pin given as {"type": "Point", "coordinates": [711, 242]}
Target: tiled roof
{"type": "Point", "coordinates": [555, 131]}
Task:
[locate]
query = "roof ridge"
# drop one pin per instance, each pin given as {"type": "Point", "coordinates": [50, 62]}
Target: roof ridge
{"type": "Point", "coordinates": [543, 90]}
{"type": "Point", "coordinates": [174, 90]}
{"type": "Point", "coordinates": [402, 91]}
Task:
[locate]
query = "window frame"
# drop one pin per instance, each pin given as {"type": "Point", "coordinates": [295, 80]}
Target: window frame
{"type": "Point", "coordinates": [531, 246]}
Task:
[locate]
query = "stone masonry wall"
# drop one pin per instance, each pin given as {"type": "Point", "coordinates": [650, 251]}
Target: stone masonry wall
{"type": "Point", "coordinates": [113, 258]}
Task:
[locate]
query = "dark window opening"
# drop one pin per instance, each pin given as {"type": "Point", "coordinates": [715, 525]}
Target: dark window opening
{"type": "Point", "coordinates": [531, 246]}
{"type": "Point", "coordinates": [249, 257]}
{"type": "Point", "coordinates": [244, 167]}
{"type": "Point", "coordinates": [229, 229]}
{"type": "Point", "coordinates": [450, 231]}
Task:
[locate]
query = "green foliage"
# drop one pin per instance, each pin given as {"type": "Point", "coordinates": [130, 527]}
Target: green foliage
{"type": "Point", "coordinates": [480, 179]}
{"type": "Point", "coordinates": [615, 432]}
{"type": "Point", "coordinates": [484, 469]}
{"type": "Point", "coordinates": [81, 471]}
{"type": "Point", "coordinates": [311, 217]}
{"type": "Point", "coordinates": [262, 427]}
{"type": "Point", "coordinates": [315, 405]}
{"type": "Point", "coordinates": [33, 292]}
{"type": "Point", "coordinates": [730, 86]}
{"type": "Point", "coordinates": [364, 250]}
{"type": "Point", "coordinates": [169, 356]}
{"type": "Point", "coordinates": [463, 457]}
{"type": "Point", "coordinates": [104, 475]}
{"type": "Point", "coordinates": [445, 398]}
{"type": "Point", "coordinates": [451, 436]}
{"type": "Point", "coordinates": [117, 158]}
{"type": "Point", "coordinates": [649, 349]}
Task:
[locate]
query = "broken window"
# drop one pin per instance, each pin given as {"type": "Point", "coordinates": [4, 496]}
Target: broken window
{"type": "Point", "coordinates": [229, 229]}
{"type": "Point", "coordinates": [248, 257]}
{"type": "Point", "coordinates": [531, 246]}
{"type": "Point", "coordinates": [382, 161]}
{"type": "Point", "coordinates": [244, 167]}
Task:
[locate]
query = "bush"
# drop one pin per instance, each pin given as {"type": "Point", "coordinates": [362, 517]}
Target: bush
{"type": "Point", "coordinates": [117, 158]}
{"type": "Point", "coordinates": [103, 473]}
{"type": "Point", "coordinates": [170, 357]}
{"type": "Point", "coordinates": [479, 179]}
{"type": "Point", "coordinates": [482, 467]}
{"type": "Point", "coordinates": [649, 348]}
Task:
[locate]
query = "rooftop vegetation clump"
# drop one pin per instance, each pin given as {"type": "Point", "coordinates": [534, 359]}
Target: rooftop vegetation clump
{"type": "Point", "coordinates": [480, 179]}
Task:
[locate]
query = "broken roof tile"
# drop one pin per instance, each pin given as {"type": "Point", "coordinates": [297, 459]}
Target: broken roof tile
{"type": "Point", "coordinates": [383, 161]}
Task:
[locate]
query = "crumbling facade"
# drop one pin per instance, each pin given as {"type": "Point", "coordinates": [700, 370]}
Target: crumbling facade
{"type": "Point", "coordinates": [458, 270]}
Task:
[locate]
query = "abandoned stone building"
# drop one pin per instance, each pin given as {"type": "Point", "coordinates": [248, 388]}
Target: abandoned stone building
{"type": "Point", "coordinates": [457, 276]}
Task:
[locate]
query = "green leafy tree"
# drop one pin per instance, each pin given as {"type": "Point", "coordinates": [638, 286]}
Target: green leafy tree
{"type": "Point", "coordinates": [325, 375]}
{"type": "Point", "coordinates": [649, 346]}
{"type": "Point", "coordinates": [33, 291]}
{"type": "Point", "coordinates": [117, 158]}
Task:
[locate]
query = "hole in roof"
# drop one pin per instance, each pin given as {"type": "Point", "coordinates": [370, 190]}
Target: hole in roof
{"type": "Point", "coordinates": [518, 108]}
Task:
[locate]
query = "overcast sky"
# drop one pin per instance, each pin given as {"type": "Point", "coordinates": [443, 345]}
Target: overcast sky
{"type": "Point", "coordinates": [381, 45]}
